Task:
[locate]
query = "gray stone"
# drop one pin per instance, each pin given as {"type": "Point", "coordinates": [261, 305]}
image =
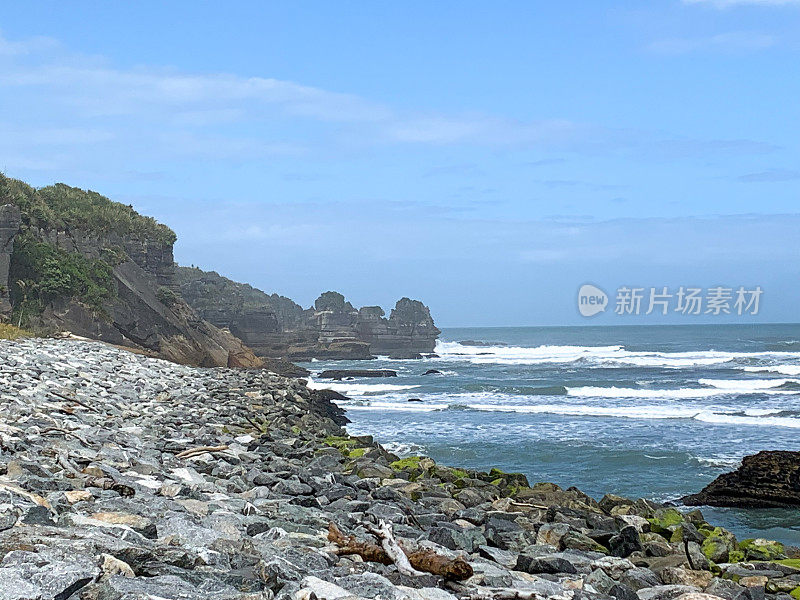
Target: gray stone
{"type": "Point", "coordinates": [639, 578]}
{"type": "Point", "coordinates": [544, 564]}
{"type": "Point", "coordinates": [665, 592]}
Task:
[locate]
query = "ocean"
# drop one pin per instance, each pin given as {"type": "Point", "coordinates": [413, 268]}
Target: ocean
{"type": "Point", "coordinates": [641, 411]}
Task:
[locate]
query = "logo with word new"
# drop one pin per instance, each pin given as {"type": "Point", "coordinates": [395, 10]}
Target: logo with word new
{"type": "Point", "coordinates": [591, 300]}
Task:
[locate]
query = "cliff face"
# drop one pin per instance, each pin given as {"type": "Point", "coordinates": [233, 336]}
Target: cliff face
{"type": "Point", "coordinates": [275, 326]}
{"type": "Point", "coordinates": [153, 256]}
{"type": "Point", "coordinates": [407, 332]}
{"type": "Point", "coordinates": [73, 260]}
{"type": "Point", "coordinates": [10, 222]}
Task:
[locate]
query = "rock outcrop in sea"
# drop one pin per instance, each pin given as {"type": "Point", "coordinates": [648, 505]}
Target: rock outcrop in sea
{"type": "Point", "coordinates": [124, 477]}
{"type": "Point", "coordinates": [769, 479]}
{"type": "Point", "coordinates": [275, 326]}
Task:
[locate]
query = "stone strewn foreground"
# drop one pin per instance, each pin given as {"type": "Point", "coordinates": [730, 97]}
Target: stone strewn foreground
{"type": "Point", "coordinates": [129, 478]}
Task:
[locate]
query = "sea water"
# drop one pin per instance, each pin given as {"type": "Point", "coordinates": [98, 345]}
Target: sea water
{"type": "Point", "coordinates": [641, 411]}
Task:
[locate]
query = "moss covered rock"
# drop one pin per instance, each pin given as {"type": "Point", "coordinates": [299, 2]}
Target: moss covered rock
{"type": "Point", "coordinates": [761, 549]}
{"type": "Point", "coordinates": [665, 521]}
{"type": "Point", "coordinates": [718, 545]}
{"type": "Point", "coordinates": [574, 540]}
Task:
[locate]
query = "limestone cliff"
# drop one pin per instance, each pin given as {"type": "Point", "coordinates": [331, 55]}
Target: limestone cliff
{"type": "Point", "coordinates": [74, 260]}
{"type": "Point", "coordinates": [71, 259]}
{"type": "Point", "coordinates": [276, 326]}
{"type": "Point", "coordinates": [408, 332]}
{"type": "Point", "coordinates": [9, 226]}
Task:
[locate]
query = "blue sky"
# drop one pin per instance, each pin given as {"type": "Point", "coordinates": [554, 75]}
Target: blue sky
{"type": "Point", "coordinates": [487, 158]}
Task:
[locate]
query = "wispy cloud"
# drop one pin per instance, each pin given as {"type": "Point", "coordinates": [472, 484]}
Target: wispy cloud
{"type": "Point", "coordinates": [734, 41]}
{"type": "Point", "coordinates": [165, 114]}
{"type": "Point", "coordinates": [731, 3]}
{"type": "Point", "coordinates": [770, 175]}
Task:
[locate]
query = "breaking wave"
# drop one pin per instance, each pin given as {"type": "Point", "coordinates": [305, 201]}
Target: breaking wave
{"type": "Point", "coordinates": [600, 356]}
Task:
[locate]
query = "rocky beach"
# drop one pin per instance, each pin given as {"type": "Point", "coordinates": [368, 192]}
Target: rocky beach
{"type": "Point", "coordinates": [129, 477]}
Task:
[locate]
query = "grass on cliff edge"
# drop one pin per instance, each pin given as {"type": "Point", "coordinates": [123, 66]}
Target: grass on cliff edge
{"type": "Point", "coordinates": [62, 207]}
{"type": "Point", "coordinates": [11, 332]}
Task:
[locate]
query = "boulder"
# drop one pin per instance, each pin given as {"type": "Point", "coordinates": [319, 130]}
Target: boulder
{"type": "Point", "coordinates": [345, 373]}
{"type": "Point", "coordinates": [769, 479]}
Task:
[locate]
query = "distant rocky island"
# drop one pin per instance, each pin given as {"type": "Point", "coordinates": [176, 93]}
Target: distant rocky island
{"type": "Point", "coordinates": [74, 260]}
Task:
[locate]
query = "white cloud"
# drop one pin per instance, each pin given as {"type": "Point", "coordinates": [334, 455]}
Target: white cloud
{"type": "Point", "coordinates": [724, 42]}
{"type": "Point", "coordinates": [119, 115]}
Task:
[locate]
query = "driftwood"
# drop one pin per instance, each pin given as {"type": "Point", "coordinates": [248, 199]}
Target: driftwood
{"type": "Point", "coordinates": [393, 550]}
{"type": "Point", "coordinates": [200, 450]}
{"type": "Point", "coordinates": [421, 560]}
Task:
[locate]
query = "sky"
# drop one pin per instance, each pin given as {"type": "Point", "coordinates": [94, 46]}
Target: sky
{"type": "Point", "coordinates": [486, 158]}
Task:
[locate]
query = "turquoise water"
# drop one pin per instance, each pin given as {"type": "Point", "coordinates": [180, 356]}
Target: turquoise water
{"type": "Point", "coordinates": [650, 411]}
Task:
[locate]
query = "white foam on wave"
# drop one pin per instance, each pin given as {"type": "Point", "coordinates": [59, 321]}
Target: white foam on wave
{"type": "Point", "coordinates": [715, 415]}
{"type": "Point", "coordinates": [717, 387]}
{"type": "Point", "coordinates": [780, 369]}
{"type": "Point", "coordinates": [727, 419]}
{"type": "Point", "coordinates": [605, 356]}
{"type": "Point", "coordinates": [358, 389]}
{"type": "Point", "coordinates": [618, 392]}
{"type": "Point", "coordinates": [739, 385]}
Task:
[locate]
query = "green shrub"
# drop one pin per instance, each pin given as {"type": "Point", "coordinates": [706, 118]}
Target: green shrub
{"type": "Point", "coordinates": [166, 296]}
{"type": "Point", "coordinates": [41, 273]}
{"type": "Point", "coordinates": [63, 207]}
{"type": "Point", "coordinates": [11, 332]}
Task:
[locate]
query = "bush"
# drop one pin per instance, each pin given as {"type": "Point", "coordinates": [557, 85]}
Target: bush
{"type": "Point", "coordinates": [63, 207]}
{"type": "Point", "coordinates": [42, 273]}
{"type": "Point", "coordinates": [10, 332]}
{"type": "Point", "coordinates": [166, 296]}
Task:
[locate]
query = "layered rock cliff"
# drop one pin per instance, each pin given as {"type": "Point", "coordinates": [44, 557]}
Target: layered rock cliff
{"type": "Point", "coordinates": [278, 327]}
{"type": "Point", "coordinates": [71, 259]}
{"type": "Point", "coordinates": [74, 260]}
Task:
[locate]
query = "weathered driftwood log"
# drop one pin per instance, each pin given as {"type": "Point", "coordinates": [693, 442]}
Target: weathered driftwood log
{"type": "Point", "coordinates": [200, 450]}
{"type": "Point", "coordinates": [396, 554]}
{"type": "Point", "coordinates": [424, 559]}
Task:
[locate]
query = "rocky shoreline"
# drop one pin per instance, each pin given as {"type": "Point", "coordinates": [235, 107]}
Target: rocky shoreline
{"type": "Point", "coordinates": [125, 477]}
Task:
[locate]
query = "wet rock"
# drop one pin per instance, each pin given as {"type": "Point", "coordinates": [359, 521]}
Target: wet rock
{"type": "Point", "coordinates": [769, 479]}
{"type": "Point", "coordinates": [345, 373]}
{"type": "Point", "coordinates": [639, 578]}
{"type": "Point", "coordinates": [730, 590]}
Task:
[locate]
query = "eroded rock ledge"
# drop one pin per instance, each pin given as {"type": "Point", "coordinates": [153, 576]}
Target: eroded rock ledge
{"type": "Point", "coordinates": [769, 479]}
{"type": "Point", "coordinates": [127, 478]}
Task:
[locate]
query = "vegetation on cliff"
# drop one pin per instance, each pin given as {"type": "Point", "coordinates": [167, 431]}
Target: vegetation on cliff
{"type": "Point", "coordinates": [62, 207]}
{"type": "Point", "coordinates": [12, 332]}
{"type": "Point", "coordinates": [42, 273]}
{"type": "Point", "coordinates": [208, 290]}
